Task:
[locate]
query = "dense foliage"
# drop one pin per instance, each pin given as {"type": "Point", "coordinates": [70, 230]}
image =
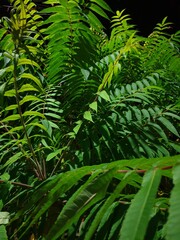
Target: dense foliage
{"type": "Point", "coordinates": [89, 125]}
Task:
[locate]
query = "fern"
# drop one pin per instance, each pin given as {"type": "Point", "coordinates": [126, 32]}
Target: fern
{"type": "Point", "coordinates": [74, 103]}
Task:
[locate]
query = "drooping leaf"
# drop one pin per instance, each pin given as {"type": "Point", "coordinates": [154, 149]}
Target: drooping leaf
{"type": "Point", "coordinates": [83, 199]}
{"type": "Point", "coordinates": [59, 186]}
{"type": "Point", "coordinates": [33, 78]}
{"type": "Point", "coordinates": [29, 98]}
{"type": "Point", "coordinates": [33, 113]}
{"type": "Point", "coordinates": [168, 125]}
{"type": "Point", "coordinates": [25, 61]}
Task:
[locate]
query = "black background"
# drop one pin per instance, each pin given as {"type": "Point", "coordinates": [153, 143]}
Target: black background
{"type": "Point", "coordinates": [145, 14]}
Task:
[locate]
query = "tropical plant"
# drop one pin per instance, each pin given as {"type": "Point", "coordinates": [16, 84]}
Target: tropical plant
{"type": "Point", "coordinates": [74, 103]}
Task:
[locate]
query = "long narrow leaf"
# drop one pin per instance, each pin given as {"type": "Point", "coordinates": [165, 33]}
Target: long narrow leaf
{"type": "Point", "coordinates": [79, 203]}
{"type": "Point", "coordinates": [138, 215]}
{"type": "Point", "coordinates": [65, 182]}
{"type": "Point", "coordinates": [106, 206]}
{"type": "Point", "coordinates": [173, 229]}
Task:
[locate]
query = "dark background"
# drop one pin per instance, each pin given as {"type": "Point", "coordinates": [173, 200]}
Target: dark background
{"type": "Point", "coordinates": [145, 14]}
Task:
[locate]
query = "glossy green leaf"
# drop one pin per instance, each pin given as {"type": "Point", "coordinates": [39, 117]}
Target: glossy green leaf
{"type": "Point", "coordinates": [139, 212]}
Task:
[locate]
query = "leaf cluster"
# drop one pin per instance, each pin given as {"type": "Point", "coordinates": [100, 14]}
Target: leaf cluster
{"type": "Point", "coordinates": [74, 103]}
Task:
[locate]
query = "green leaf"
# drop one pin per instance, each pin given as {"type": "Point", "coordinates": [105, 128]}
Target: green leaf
{"type": "Point", "coordinates": [3, 233]}
{"type": "Point", "coordinates": [12, 160]}
{"type": "Point", "coordinates": [2, 32]}
{"type": "Point", "coordinates": [77, 127]}
{"type": "Point", "coordinates": [5, 177]}
{"type": "Point", "coordinates": [172, 115]}
{"type": "Point", "coordinates": [93, 106]}
{"type": "Point", "coordinates": [98, 10]}
{"type": "Point", "coordinates": [85, 73]}
{"type": "Point", "coordinates": [25, 61]}
{"type": "Point", "coordinates": [87, 115]}
{"type": "Point", "coordinates": [173, 229]}
{"type": "Point", "coordinates": [90, 193]}
{"type": "Point", "coordinates": [107, 204]}
{"type": "Point", "coordinates": [11, 118]}
{"type": "Point", "coordinates": [52, 115]}
{"type": "Point", "coordinates": [27, 88]}
{"type": "Point", "coordinates": [29, 98]}
{"type": "Point", "coordinates": [53, 154]}
{"type": "Point", "coordinates": [33, 113]}
{"type": "Point", "coordinates": [4, 218]}
{"type": "Point", "coordinates": [11, 107]}
{"type": "Point", "coordinates": [168, 125]}
{"type": "Point", "coordinates": [175, 146]}
{"type": "Point", "coordinates": [2, 89]}
{"type": "Point", "coordinates": [36, 124]}
{"type": "Point", "coordinates": [53, 189]}
{"type": "Point", "coordinates": [139, 213]}
{"type": "Point", "coordinates": [102, 4]}
{"type": "Point", "coordinates": [10, 93]}
{"type": "Point", "coordinates": [104, 95]}
{"type": "Point", "coordinates": [15, 129]}
{"type": "Point", "coordinates": [94, 21]}
{"type": "Point", "coordinates": [33, 78]}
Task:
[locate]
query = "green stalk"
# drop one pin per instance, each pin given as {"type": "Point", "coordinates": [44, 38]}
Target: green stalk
{"type": "Point", "coordinates": [15, 73]}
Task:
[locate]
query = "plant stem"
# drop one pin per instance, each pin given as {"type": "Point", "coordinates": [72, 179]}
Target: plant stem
{"type": "Point", "coordinates": [17, 184]}
{"type": "Point", "coordinates": [37, 165]}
